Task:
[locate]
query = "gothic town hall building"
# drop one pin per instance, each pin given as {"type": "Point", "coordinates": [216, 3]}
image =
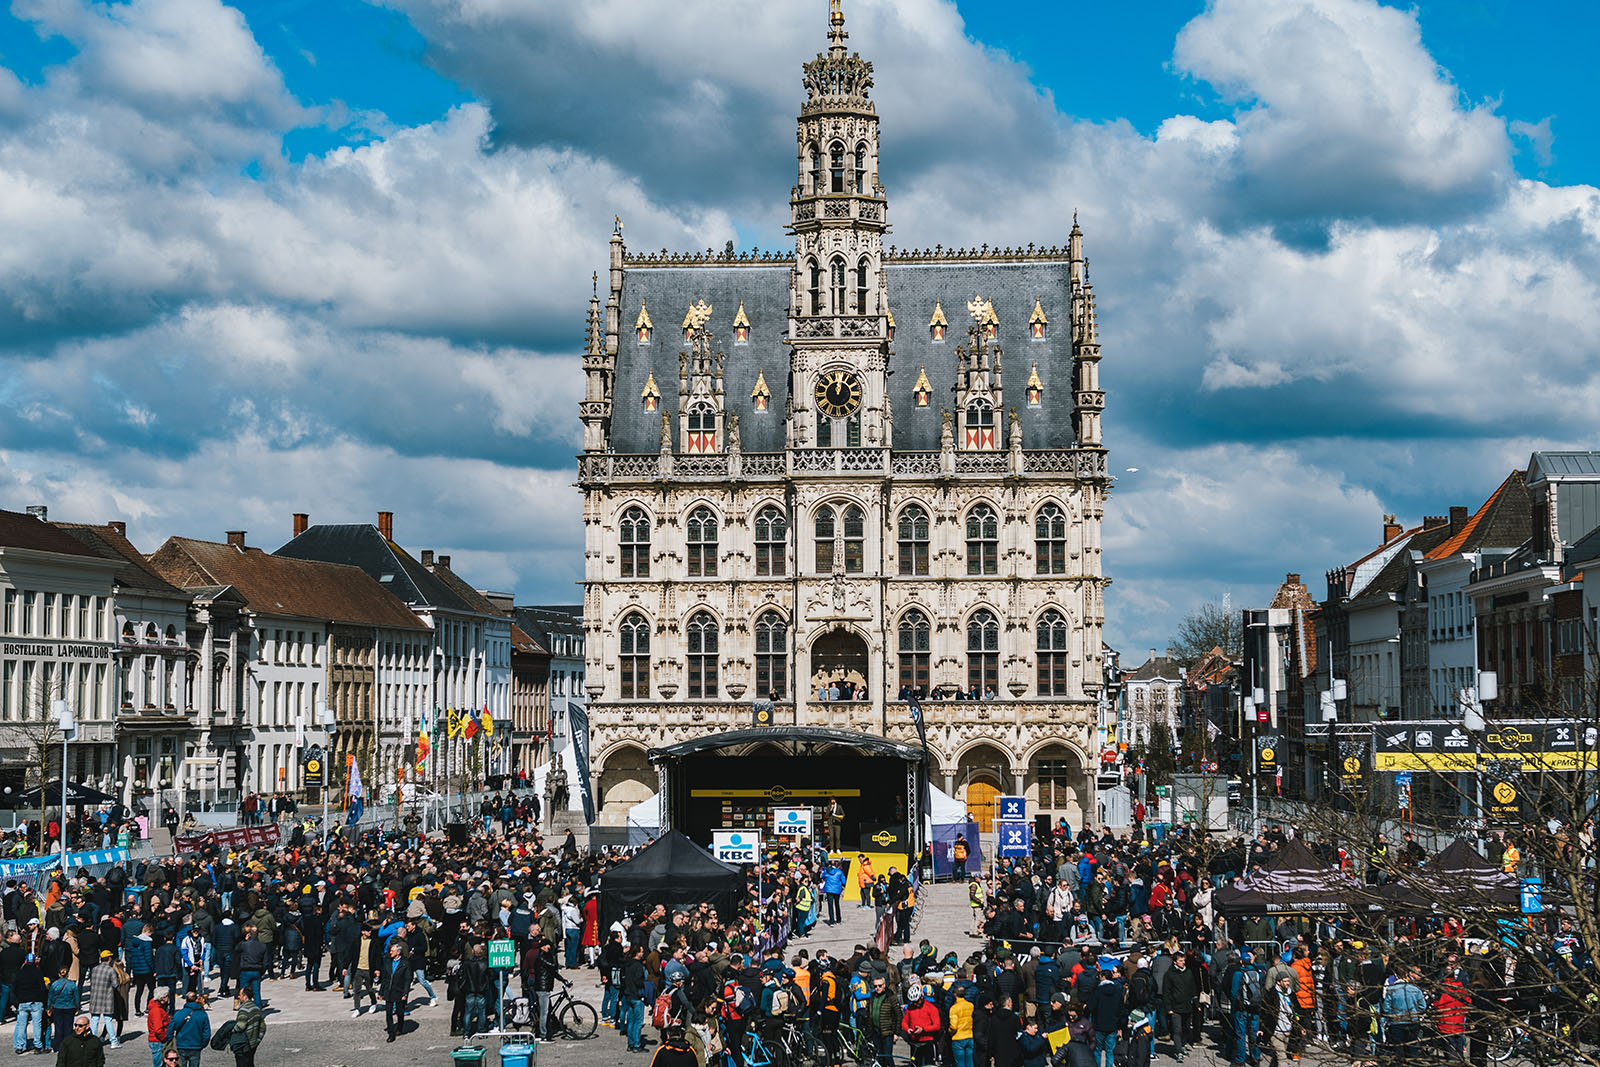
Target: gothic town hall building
{"type": "Point", "coordinates": [856, 467]}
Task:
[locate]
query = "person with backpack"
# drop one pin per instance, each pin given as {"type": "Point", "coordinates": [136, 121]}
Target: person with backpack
{"type": "Point", "coordinates": [1244, 991]}
{"type": "Point", "coordinates": [737, 1004]}
{"type": "Point", "coordinates": [775, 1007]}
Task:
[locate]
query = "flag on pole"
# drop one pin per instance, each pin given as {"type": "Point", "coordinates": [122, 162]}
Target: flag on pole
{"type": "Point", "coordinates": [425, 738]}
{"type": "Point", "coordinates": [469, 726]}
{"type": "Point", "coordinates": [488, 722]}
{"type": "Point", "coordinates": [356, 792]}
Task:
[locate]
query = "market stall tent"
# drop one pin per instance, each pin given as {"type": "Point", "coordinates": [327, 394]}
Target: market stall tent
{"type": "Point", "coordinates": [1455, 879]}
{"type": "Point", "coordinates": [673, 871]}
{"type": "Point", "coordinates": [1296, 882]}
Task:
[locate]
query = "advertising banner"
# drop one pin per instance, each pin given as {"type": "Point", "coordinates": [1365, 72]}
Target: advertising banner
{"type": "Point", "coordinates": [1560, 745]}
{"type": "Point", "coordinates": [1502, 798]}
{"type": "Point", "coordinates": [792, 822]}
{"type": "Point", "coordinates": [1011, 809]}
{"type": "Point", "coordinates": [1016, 839]}
{"type": "Point", "coordinates": [1267, 754]}
{"type": "Point", "coordinates": [1352, 765]}
{"type": "Point", "coordinates": [736, 846]}
{"type": "Point", "coordinates": [239, 837]}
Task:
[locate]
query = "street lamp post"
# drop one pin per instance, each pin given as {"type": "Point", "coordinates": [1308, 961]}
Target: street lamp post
{"type": "Point", "coordinates": [66, 723]}
{"type": "Point", "coordinates": [326, 721]}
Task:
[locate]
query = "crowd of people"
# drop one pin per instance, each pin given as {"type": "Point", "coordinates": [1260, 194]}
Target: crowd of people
{"type": "Point", "coordinates": [1098, 949]}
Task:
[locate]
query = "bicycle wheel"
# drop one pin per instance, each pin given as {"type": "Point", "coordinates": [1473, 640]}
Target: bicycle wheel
{"type": "Point", "coordinates": [802, 1048]}
{"type": "Point", "coordinates": [1504, 1042]}
{"type": "Point", "coordinates": [579, 1020]}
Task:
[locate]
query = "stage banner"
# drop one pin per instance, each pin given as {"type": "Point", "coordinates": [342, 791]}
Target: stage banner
{"type": "Point", "coordinates": [1561, 745]}
{"type": "Point", "coordinates": [239, 837]}
{"type": "Point", "coordinates": [578, 730]}
{"type": "Point", "coordinates": [1352, 766]}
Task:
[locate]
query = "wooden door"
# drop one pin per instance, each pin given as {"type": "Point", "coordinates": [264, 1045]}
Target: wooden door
{"type": "Point", "coordinates": [981, 803]}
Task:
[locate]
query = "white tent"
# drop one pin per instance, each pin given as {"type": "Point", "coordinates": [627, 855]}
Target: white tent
{"type": "Point", "coordinates": [944, 809]}
{"type": "Point", "coordinates": [646, 813]}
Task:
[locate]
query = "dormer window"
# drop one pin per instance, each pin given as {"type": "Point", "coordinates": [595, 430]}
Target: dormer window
{"type": "Point", "coordinates": [922, 390]}
{"type": "Point", "coordinates": [938, 324]}
{"type": "Point", "coordinates": [980, 425]}
{"type": "Point", "coordinates": [1035, 387]}
{"type": "Point", "coordinates": [990, 321]}
{"type": "Point", "coordinates": [642, 326]}
{"type": "Point", "coordinates": [741, 327]}
{"type": "Point", "coordinates": [760, 396]}
{"type": "Point", "coordinates": [1037, 322]}
{"type": "Point", "coordinates": [651, 393]}
{"type": "Point", "coordinates": [702, 429]}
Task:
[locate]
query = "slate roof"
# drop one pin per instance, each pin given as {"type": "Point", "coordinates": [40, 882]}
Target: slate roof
{"type": "Point", "coordinates": [522, 642]}
{"type": "Point", "coordinates": [279, 585]}
{"type": "Point", "coordinates": [1546, 465]}
{"type": "Point", "coordinates": [18, 529]}
{"type": "Point", "coordinates": [914, 287]}
{"type": "Point", "coordinates": [1159, 668]}
{"type": "Point", "coordinates": [1391, 577]}
{"type": "Point", "coordinates": [135, 573]}
{"type": "Point", "coordinates": [474, 599]}
{"type": "Point", "coordinates": [542, 622]}
{"type": "Point", "coordinates": [362, 545]}
{"type": "Point", "coordinates": [1505, 520]}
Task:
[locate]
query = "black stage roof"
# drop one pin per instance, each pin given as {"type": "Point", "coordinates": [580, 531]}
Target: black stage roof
{"type": "Point", "coordinates": [791, 734]}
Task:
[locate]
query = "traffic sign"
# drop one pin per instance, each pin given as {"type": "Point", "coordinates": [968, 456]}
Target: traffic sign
{"type": "Point", "coordinates": [1012, 809]}
{"type": "Point", "coordinates": [736, 846]}
{"type": "Point", "coordinates": [1532, 896]}
{"type": "Point", "coordinates": [792, 822]}
{"type": "Point", "coordinates": [503, 954]}
{"type": "Point", "coordinates": [1015, 838]}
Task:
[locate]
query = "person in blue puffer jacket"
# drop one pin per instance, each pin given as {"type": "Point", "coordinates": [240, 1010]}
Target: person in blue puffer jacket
{"type": "Point", "coordinates": [139, 954]}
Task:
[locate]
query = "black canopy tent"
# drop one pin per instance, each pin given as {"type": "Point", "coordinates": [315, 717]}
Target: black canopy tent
{"type": "Point", "coordinates": [78, 795]}
{"type": "Point", "coordinates": [1296, 882]}
{"type": "Point", "coordinates": [1455, 879]}
{"type": "Point", "coordinates": [673, 871]}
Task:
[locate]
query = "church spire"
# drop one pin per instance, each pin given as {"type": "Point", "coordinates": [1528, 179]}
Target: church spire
{"type": "Point", "coordinates": [836, 34]}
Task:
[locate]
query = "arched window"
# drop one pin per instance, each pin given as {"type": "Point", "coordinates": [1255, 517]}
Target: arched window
{"type": "Point", "coordinates": [772, 656]}
{"type": "Point", "coordinates": [772, 542]}
{"type": "Point", "coordinates": [914, 641]}
{"type": "Point", "coordinates": [983, 654]}
{"type": "Point", "coordinates": [633, 535]}
{"type": "Point", "coordinates": [1050, 540]}
{"type": "Point", "coordinates": [836, 166]}
{"type": "Point", "coordinates": [702, 656]}
{"type": "Point", "coordinates": [836, 272]}
{"type": "Point", "coordinates": [814, 169]}
{"type": "Point", "coordinates": [861, 169]}
{"type": "Point", "coordinates": [702, 537]}
{"type": "Point", "coordinates": [702, 428]}
{"type": "Point", "coordinates": [913, 541]}
{"type": "Point", "coordinates": [1051, 631]}
{"type": "Point", "coordinates": [825, 531]}
{"type": "Point", "coordinates": [980, 425]}
{"type": "Point", "coordinates": [815, 289]}
{"type": "Point", "coordinates": [983, 541]}
{"type": "Point", "coordinates": [634, 657]}
{"type": "Point", "coordinates": [861, 286]}
{"type": "Point", "coordinates": [855, 539]}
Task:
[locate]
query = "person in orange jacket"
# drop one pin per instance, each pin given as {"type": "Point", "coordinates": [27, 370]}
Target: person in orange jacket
{"type": "Point", "coordinates": [1305, 994]}
{"type": "Point", "coordinates": [864, 879]}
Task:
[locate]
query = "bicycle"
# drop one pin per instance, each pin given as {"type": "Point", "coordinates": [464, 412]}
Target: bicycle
{"type": "Point", "coordinates": [570, 1016]}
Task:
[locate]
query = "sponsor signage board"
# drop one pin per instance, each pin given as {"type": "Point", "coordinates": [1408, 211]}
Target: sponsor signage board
{"type": "Point", "coordinates": [792, 822]}
{"type": "Point", "coordinates": [1015, 839]}
{"type": "Point", "coordinates": [1445, 746]}
{"type": "Point", "coordinates": [1011, 809]}
{"type": "Point", "coordinates": [736, 846]}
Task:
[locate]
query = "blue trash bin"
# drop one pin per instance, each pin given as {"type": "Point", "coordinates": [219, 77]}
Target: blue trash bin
{"type": "Point", "coordinates": [516, 1055]}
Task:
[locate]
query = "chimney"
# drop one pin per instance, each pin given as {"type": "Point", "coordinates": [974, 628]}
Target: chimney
{"type": "Point", "coordinates": [40, 512]}
{"type": "Point", "coordinates": [1430, 522]}
{"type": "Point", "coordinates": [301, 521]}
{"type": "Point", "coordinates": [1458, 518]}
{"type": "Point", "coordinates": [236, 538]}
{"type": "Point", "coordinates": [444, 561]}
{"type": "Point", "coordinates": [386, 525]}
{"type": "Point", "coordinates": [1391, 529]}
{"type": "Point", "coordinates": [427, 557]}
{"type": "Point", "coordinates": [1291, 579]}
{"type": "Point", "coordinates": [118, 527]}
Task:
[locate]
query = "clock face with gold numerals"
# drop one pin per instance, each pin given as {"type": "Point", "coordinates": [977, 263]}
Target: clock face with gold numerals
{"type": "Point", "coordinates": [838, 394]}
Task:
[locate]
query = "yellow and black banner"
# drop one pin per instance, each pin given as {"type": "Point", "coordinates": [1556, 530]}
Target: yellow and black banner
{"type": "Point", "coordinates": [1267, 755]}
{"type": "Point", "coordinates": [1352, 766]}
{"type": "Point", "coordinates": [1446, 746]}
{"type": "Point", "coordinates": [1502, 800]}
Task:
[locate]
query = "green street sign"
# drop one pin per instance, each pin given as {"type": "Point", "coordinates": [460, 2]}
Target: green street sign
{"type": "Point", "coordinates": [1161, 790]}
{"type": "Point", "coordinates": [503, 954]}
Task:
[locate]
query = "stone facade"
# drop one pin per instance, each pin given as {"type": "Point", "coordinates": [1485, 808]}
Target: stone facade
{"type": "Point", "coordinates": [786, 492]}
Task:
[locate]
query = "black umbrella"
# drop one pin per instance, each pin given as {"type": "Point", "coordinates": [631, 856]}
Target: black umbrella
{"type": "Point", "coordinates": [77, 794]}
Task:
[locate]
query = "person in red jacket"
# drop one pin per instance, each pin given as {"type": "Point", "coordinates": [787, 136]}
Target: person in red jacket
{"type": "Point", "coordinates": [921, 1025]}
{"type": "Point", "coordinates": [1451, 1009]}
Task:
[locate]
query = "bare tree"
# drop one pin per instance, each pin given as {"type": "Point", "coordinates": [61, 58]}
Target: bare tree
{"type": "Point", "coordinates": [1207, 626]}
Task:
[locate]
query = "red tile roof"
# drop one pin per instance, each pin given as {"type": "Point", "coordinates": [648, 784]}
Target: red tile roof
{"type": "Point", "coordinates": [279, 585]}
{"type": "Point", "coordinates": [18, 529]}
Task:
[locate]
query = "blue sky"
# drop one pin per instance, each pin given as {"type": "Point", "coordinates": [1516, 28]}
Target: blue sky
{"type": "Point", "coordinates": [310, 255]}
